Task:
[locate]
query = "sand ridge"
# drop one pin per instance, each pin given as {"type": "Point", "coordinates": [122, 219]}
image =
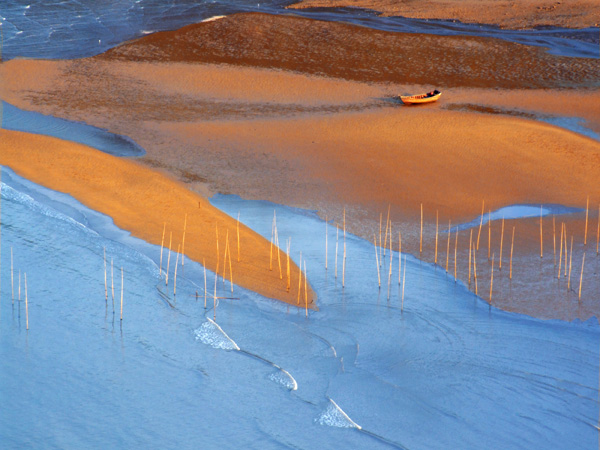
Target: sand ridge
{"type": "Point", "coordinates": [141, 201]}
{"type": "Point", "coordinates": [357, 53]}
{"type": "Point", "coordinates": [505, 13]}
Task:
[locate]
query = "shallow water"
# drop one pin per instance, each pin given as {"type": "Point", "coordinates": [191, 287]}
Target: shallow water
{"type": "Point", "coordinates": [74, 29]}
{"type": "Point", "coordinates": [518, 212]}
{"type": "Point", "coordinates": [13, 118]}
{"type": "Point", "coordinates": [575, 124]}
{"type": "Point", "coordinates": [447, 371]}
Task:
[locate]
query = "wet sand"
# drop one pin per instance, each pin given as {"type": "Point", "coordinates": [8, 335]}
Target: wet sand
{"type": "Point", "coordinates": [505, 13]}
{"type": "Point", "coordinates": [141, 201]}
{"type": "Point", "coordinates": [356, 53]}
{"type": "Point", "coordinates": [326, 143]}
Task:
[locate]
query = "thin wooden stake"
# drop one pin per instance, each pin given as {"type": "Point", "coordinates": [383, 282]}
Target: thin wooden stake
{"type": "Point", "coordinates": [216, 277]}
{"type": "Point", "coordinates": [215, 295]}
{"type": "Point", "coordinates": [288, 270]}
{"type": "Point", "coordinates": [480, 223]}
{"type": "Point", "coordinates": [278, 252]}
{"type": "Point", "coordinates": [230, 270]}
{"type": "Point", "coordinates": [403, 284]}
{"type": "Point", "coordinates": [399, 255]}
{"type": "Point", "coordinates": [162, 242]}
{"type": "Point", "coordinates": [300, 279]}
{"type": "Point", "coordinates": [305, 290]}
{"type": "Point", "coordinates": [238, 236]}
{"type": "Point", "coordinates": [175, 276]}
{"type": "Point", "coordinates": [489, 232]}
{"type": "Point", "coordinates": [380, 254]}
{"type": "Point", "coordinates": [112, 283]}
{"type": "Point", "coordinates": [541, 235]}
{"type": "Point", "coordinates": [105, 283]}
{"type": "Point", "coordinates": [436, 236]}
{"type": "Point", "coordinates": [470, 248]}
{"type": "Point", "coordinates": [455, 252]}
{"type": "Point", "coordinates": [337, 238]}
{"type": "Point", "coordinates": [27, 303]}
{"type": "Point", "coordinates": [421, 240]}
{"type": "Point", "coordinates": [224, 276]}
{"type": "Point", "coordinates": [387, 223]}
{"type": "Point", "coordinates": [169, 258]}
{"type": "Point", "coordinates": [122, 293]}
{"type": "Point", "coordinates": [272, 237]}
{"type": "Point", "coordinates": [587, 207]}
{"type": "Point", "coordinates": [448, 248]}
{"type": "Point", "coordinates": [391, 260]}
{"type": "Point", "coordinates": [218, 254]}
{"type": "Point", "coordinates": [554, 236]}
{"type": "Point", "coordinates": [492, 278]}
{"type": "Point", "coordinates": [565, 251]}
{"type": "Point", "coordinates": [581, 277]}
{"type": "Point", "coordinates": [475, 270]}
{"type": "Point", "coordinates": [205, 287]}
{"type": "Point", "coordinates": [570, 265]}
{"type": "Point", "coordinates": [501, 242]}
{"type": "Point", "coordinates": [377, 260]}
{"type": "Point", "coordinates": [183, 241]}
{"type": "Point", "coordinates": [512, 244]}
{"type": "Point", "coordinates": [562, 228]}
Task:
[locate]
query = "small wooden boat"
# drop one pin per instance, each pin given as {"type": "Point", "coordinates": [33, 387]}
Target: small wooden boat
{"type": "Point", "coordinates": [421, 98]}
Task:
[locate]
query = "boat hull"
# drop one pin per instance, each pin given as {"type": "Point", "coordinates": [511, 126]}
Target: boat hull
{"type": "Point", "coordinates": [417, 99]}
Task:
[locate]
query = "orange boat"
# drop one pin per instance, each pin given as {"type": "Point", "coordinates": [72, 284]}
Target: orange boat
{"type": "Point", "coordinates": [421, 98]}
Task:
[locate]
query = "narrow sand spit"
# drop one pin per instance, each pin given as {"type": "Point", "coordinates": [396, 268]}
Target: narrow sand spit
{"type": "Point", "coordinates": [505, 13]}
{"type": "Point", "coordinates": [141, 201]}
{"type": "Point", "coordinates": [339, 141]}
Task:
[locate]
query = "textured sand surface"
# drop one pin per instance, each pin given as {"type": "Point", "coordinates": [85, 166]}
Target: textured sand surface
{"type": "Point", "coordinates": [505, 13]}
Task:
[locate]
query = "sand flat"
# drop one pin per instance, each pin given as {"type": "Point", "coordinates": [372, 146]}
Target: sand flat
{"type": "Point", "coordinates": [141, 201]}
{"type": "Point", "coordinates": [334, 141]}
{"type": "Point", "coordinates": [505, 13]}
{"type": "Point", "coordinates": [351, 52]}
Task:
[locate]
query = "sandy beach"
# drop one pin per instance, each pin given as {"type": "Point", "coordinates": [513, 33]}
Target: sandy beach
{"type": "Point", "coordinates": [142, 201]}
{"type": "Point", "coordinates": [299, 121]}
{"type": "Point", "coordinates": [504, 13]}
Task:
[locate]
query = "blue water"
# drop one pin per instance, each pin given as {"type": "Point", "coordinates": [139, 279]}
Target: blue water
{"type": "Point", "coordinates": [518, 212]}
{"type": "Point", "coordinates": [441, 370]}
{"type": "Point", "coordinates": [13, 118]}
{"type": "Point", "coordinates": [575, 124]}
{"type": "Point", "coordinates": [80, 28]}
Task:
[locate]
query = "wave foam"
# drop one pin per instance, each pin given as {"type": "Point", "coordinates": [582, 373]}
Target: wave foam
{"type": "Point", "coordinates": [212, 334]}
{"type": "Point", "coordinates": [334, 416]}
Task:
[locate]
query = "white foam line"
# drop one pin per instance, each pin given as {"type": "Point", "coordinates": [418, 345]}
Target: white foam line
{"type": "Point", "coordinates": [224, 334]}
{"type": "Point", "coordinates": [295, 388]}
{"type": "Point", "coordinates": [213, 18]}
{"type": "Point", "coordinates": [294, 382]}
{"type": "Point", "coordinates": [344, 414]}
